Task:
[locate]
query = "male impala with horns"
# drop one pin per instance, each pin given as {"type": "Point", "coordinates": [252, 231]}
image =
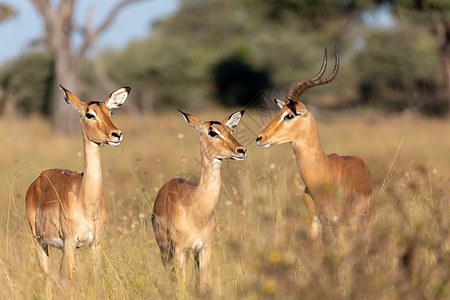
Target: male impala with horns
{"type": "Point", "coordinates": [338, 188]}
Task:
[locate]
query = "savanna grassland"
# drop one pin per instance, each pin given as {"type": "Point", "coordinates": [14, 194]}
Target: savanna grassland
{"type": "Point", "coordinates": [262, 247]}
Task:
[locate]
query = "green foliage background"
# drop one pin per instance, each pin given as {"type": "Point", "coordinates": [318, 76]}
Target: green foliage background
{"type": "Point", "coordinates": [272, 43]}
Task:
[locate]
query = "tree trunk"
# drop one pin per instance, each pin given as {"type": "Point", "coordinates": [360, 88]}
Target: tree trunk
{"type": "Point", "coordinates": [59, 27]}
{"type": "Point", "coordinates": [446, 56]}
{"type": "Point", "coordinates": [64, 117]}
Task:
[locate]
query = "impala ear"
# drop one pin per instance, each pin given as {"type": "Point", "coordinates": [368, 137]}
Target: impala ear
{"type": "Point", "coordinates": [118, 97]}
{"type": "Point", "coordinates": [298, 108]}
{"type": "Point", "coordinates": [234, 119]}
{"type": "Point", "coordinates": [70, 98]}
{"type": "Point", "coordinates": [193, 121]}
{"type": "Point", "coordinates": [279, 102]}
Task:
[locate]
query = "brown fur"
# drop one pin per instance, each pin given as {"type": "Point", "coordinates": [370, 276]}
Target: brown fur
{"type": "Point", "coordinates": [66, 209]}
{"type": "Point", "coordinates": [338, 188]}
{"type": "Point", "coordinates": [183, 214]}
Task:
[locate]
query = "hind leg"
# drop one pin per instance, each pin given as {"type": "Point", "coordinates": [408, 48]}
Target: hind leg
{"type": "Point", "coordinates": [165, 246]}
{"type": "Point", "coordinates": [160, 230]}
{"type": "Point", "coordinates": [42, 257]}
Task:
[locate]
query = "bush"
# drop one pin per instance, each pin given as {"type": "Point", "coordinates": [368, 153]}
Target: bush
{"type": "Point", "coordinates": [30, 81]}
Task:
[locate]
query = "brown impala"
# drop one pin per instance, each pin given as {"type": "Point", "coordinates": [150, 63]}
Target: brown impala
{"type": "Point", "coordinates": [183, 213]}
{"type": "Point", "coordinates": [338, 188]}
{"type": "Point", "coordinates": [66, 209]}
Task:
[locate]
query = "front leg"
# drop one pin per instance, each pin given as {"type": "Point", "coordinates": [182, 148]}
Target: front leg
{"type": "Point", "coordinates": [96, 266]}
{"type": "Point", "coordinates": [316, 230]}
{"type": "Point", "coordinates": [67, 270]}
{"type": "Point", "coordinates": [203, 263]}
{"type": "Point", "coordinates": [316, 226]}
{"type": "Point", "coordinates": [309, 203]}
{"type": "Point", "coordinates": [180, 260]}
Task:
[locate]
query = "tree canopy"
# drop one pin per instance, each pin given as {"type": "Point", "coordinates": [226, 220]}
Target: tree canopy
{"type": "Point", "coordinates": [225, 52]}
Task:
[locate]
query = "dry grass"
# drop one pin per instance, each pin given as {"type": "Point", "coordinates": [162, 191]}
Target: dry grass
{"type": "Point", "coordinates": [262, 249]}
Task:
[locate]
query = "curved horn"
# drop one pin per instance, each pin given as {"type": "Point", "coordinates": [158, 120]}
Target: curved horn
{"type": "Point", "coordinates": [296, 88]}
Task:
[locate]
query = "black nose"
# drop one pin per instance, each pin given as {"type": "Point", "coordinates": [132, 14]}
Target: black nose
{"type": "Point", "coordinates": [116, 135]}
{"type": "Point", "coordinates": [241, 150]}
{"type": "Point", "coordinates": [258, 139]}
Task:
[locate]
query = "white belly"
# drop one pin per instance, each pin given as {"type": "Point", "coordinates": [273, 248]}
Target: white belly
{"type": "Point", "coordinates": [84, 240]}
{"type": "Point", "coordinates": [197, 245]}
{"type": "Point", "coordinates": [54, 242]}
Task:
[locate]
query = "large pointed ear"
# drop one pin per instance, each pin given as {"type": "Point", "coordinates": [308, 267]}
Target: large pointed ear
{"type": "Point", "coordinates": [279, 102]}
{"type": "Point", "coordinates": [234, 119]}
{"type": "Point", "coordinates": [70, 98]}
{"type": "Point", "coordinates": [118, 97]}
{"type": "Point", "coordinates": [298, 108]}
{"type": "Point", "coordinates": [193, 121]}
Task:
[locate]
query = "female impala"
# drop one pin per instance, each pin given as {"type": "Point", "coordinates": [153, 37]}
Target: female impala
{"type": "Point", "coordinates": [183, 213]}
{"type": "Point", "coordinates": [338, 188]}
{"type": "Point", "coordinates": [66, 209]}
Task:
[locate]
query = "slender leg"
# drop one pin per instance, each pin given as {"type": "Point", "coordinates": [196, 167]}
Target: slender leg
{"type": "Point", "coordinates": [96, 267]}
{"type": "Point", "coordinates": [316, 226]}
{"type": "Point", "coordinates": [42, 256]}
{"type": "Point", "coordinates": [204, 257]}
{"type": "Point", "coordinates": [310, 204]}
{"type": "Point", "coordinates": [166, 252]}
{"type": "Point", "coordinates": [67, 270]}
{"type": "Point", "coordinates": [316, 230]}
{"type": "Point", "coordinates": [197, 270]}
{"type": "Point", "coordinates": [180, 266]}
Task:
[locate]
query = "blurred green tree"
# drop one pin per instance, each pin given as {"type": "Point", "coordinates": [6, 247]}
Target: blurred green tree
{"type": "Point", "coordinates": [397, 70]}
{"type": "Point", "coordinates": [195, 57]}
{"type": "Point", "coordinates": [28, 81]}
{"type": "Point", "coordinates": [435, 16]}
{"type": "Point", "coordinates": [60, 27]}
{"type": "Point", "coordinates": [237, 82]}
{"type": "Point", "coordinates": [178, 62]}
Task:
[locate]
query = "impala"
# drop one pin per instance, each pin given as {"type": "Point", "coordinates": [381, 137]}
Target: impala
{"type": "Point", "coordinates": [183, 213]}
{"type": "Point", "coordinates": [338, 188]}
{"type": "Point", "coordinates": [66, 209]}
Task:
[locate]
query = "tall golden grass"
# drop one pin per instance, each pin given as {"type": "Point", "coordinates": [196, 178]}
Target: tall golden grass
{"type": "Point", "coordinates": [262, 248]}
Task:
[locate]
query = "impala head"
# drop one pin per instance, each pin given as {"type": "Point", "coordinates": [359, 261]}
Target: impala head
{"type": "Point", "coordinates": [217, 137]}
{"type": "Point", "coordinates": [96, 116]}
{"type": "Point", "coordinates": [294, 118]}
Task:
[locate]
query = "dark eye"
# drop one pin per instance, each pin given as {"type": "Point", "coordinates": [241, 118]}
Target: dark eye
{"type": "Point", "coordinates": [89, 116]}
{"type": "Point", "coordinates": [213, 134]}
{"type": "Point", "coordinates": [288, 116]}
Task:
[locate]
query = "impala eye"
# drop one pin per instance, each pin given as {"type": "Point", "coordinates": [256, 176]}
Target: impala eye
{"type": "Point", "coordinates": [288, 116]}
{"type": "Point", "coordinates": [89, 116]}
{"type": "Point", "coordinates": [213, 134]}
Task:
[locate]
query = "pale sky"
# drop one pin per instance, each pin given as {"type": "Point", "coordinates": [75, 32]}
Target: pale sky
{"type": "Point", "coordinates": [133, 22]}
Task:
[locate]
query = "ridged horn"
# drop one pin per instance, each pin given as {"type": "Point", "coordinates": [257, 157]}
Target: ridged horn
{"type": "Point", "coordinates": [296, 88]}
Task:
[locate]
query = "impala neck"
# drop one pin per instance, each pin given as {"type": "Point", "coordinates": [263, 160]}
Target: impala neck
{"type": "Point", "coordinates": [91, 189]}
{"type": "Point", "coordinates": [208, 188]}
{"type": "Point", "coordinates": [311, 159]}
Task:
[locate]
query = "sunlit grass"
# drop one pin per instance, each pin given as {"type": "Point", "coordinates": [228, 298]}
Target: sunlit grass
{"type": "Point", "coordinates": [262, 248]}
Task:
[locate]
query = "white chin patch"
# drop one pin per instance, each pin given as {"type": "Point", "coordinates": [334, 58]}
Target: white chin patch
{"type": "Point", "coordinates": [264, 145]}
{"type": "Point", "coordinates": [238, 158]}
{"type": "Point", "coordinates": [112, 143]}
